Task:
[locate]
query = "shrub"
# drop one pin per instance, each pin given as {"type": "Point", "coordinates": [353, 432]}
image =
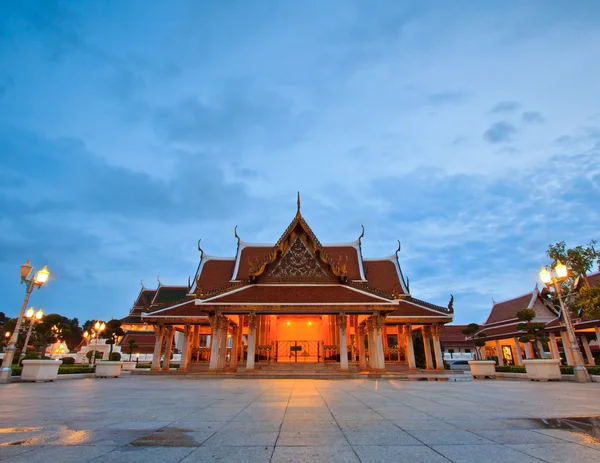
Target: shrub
{"type": "Point", "coordinates": [97, 355]}
{"type": "Point", "coordinates": [75, 369]}
{"type": "Point", "coordinates": [510, 369]}
{"type": "Point", "coordinates": [143, 365]}
{"type": "Point", "coordinates": [68, 360]}
{"type": "Point", "coordinates": [115, 357]}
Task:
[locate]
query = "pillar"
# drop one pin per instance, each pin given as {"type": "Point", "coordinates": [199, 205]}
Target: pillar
{"type": "Point", "coordinates": [517, 352]}
{"type": "Point", "coordinates": [185, 349]}
{"type": "Point", "coordinates": [567, 348]}
{"type": "Point", "coordinates": [410, 349]}
{"type": "Point", "coordinates": [158, 341]}
{"type": "Point", "coordinates": [427, 347]}
{"type": "Point", "coordinates": [215, 329]}
{"type": "Point", "coordinates": [499, 353]}
{"type": "Point", "coordinates": [554, 347]}
{"type": "Point", "coordinates": [222, 358]}
{"type": "Point", "coordinates": [586, 348]}
{"type": "Point", "coordinates": [439, 355]}
{"type": "Point", "coordinates": [528, 350]}
{"type": "Point", "coordinates": [251, 342]}
{"type": "Point", "coordinates": [234, 348]}
{"type": "Point", "coordinates": [371, 341]}
{"type": "Point", "coordinates": [401, 341]}
{"type": "Point", "coordinates": [168, 349]}
{"type": "Point", "coordinates": [362, 355]}
{"type": "Point", "coordinates": [379, 326]}
{"type": "Point", "coordinates": [343, 345]}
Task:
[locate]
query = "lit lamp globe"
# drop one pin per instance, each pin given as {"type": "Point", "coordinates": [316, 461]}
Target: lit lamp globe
{"type": "Point", "coordinates": [29, 312]}
{"type": "Point", "coordinates": [42, 276]}
{"type": "Point", "coordinates": [561, 270]}
{"type": "Point", "coordinates": [545, 276]}
{"type": "Point", "coordinates": [26, 269]}
{"type": "Point", "coordinates": [39, 314]}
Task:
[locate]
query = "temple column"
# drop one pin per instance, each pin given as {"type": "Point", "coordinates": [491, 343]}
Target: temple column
{"type": "Point", "coordinates": [214, 341]}
{"type": "Point", "coordinates": [372, 347]}
{"type": "Point", "coordinates": [343, 345]}
{"type": "Point", "coordinates": [529, 354]}
{"type": "Point", "coordinates": [222, 358]}
{"type": "Point", "coordinates": [362, 357]}
{"type": "Point", "coordinates": [410, 349]}
{"type": "Point", "coordinates": [586, 347]}
{"type": "Point", "coordinates": [554, 347]}
{"type": "Point", "coordinates": [168, 349]}
{"type": "Point", "coordinates": [427, 347]}
{"type": "Point", "coordinates": [234, 348]}
{"type": "Point", "coordinates": [499, 353]}
{"type": "Point", "coordinates": [401, 341]}
{"type": "Point", "coordinates": [159, 336]}
{"type": "Point", "coordinates": [379, 326]}
{"type": "Point", "coordinates": [251, 342]}
{"type": "Point", "coordinates": [517, 352]}
{"type": "Point", "coordinates": [185, 349]}
{"type": "Point", "coordinates": [439, 355]}
{"type": "Point", "coordinates": [567, 348]}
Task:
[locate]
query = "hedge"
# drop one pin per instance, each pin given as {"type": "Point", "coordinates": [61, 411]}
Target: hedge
{"type": "Point", "coordinates": [565, 370]}
{"type": "Point", "coordinates": [62, 370]}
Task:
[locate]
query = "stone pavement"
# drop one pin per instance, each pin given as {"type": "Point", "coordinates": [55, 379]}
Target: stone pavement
{"type": "Point", "coordinates": [170, 419]}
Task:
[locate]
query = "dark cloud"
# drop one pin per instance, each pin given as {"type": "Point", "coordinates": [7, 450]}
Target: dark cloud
{"type": "Point", "coordinates": [532, 117]}
{"type": "Point", "coordinates": [446, 98]}
{"type": "Point", "coordinates": [505, 107]}
{"type": "Point", "coordinates": [500, 132]}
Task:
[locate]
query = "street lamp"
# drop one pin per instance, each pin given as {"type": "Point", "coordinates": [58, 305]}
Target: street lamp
{"type": "Point", "coordinates": [560, 274]}
{"type": "Point", "coordinates": [37, 281]}
{"type": "Point", "coordinates": [33, 317]}
{"type": "Point", "coordinates": [94, 333]}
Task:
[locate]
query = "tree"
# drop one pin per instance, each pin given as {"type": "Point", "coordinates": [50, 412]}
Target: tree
{"type": "Point", "coordinates": [51, 329]}
{"type": "Point", "coordinates": [132, 345]}
{"type": "Point", "coordinates": [535, 332]}
{"type": "Point", "coordinates": [580, 260]}
{"type": "Point", "coordinates": [112, 333]}
{"type": "Point", "coordinates": [478, 339]}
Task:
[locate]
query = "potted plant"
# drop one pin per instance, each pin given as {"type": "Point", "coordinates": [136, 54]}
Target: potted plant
{"type": "Point", "coordinates": [110, 368]}
{"type": "Point", "coordinates": [539, 368]}
{"type": "Point", "coordinates": [130, 365]}
{"type": "Point", "coordinates": [479, 368]}
{"type": "Point", "coordinates": [36, 369]}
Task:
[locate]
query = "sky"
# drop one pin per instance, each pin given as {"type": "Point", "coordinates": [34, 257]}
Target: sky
{"type": "Point", "coordinates": [469, 131]}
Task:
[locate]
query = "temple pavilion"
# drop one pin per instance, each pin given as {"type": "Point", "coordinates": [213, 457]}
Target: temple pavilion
{"type": "Point", "coordinates": [295, 301]}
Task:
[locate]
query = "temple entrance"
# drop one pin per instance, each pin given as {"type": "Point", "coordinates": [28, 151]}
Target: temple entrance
{"type": "Point", "coordinates": [298, 351]}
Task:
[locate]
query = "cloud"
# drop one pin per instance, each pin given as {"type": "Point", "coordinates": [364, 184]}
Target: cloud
{"type": "Point", "coordinates": [532, 117]}
{"type": "Point", "coordinates": [505, 107]}
{"type": "Point", "coordinates": [500, 132]}
{"type": "Point", "coordinates": [444, 98]}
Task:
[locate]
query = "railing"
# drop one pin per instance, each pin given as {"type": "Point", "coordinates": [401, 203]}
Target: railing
{"type": "Point", "coordinates": [394, 354]}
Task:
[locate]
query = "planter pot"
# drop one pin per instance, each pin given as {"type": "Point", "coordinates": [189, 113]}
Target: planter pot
{"type": "Point", "coordinates": [128, 366]}
{"type": "Point", "coordinates": [542, 369]}
{"type": "Point", "coordinates": [40, 370]}
{"type": "Point", "coordinates": [483, 368]}
{"type": "Point", "coordinates": [108, 369]}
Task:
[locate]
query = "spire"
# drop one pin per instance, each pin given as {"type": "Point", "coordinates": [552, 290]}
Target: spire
{"type": "Point", "coordinates": [298, 211]}
{"type": "Point", "coordinates": [398, 250]}
{"type": "Point", "coordinates": [142, 283]}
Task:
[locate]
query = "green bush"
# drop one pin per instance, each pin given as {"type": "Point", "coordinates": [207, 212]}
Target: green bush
{"type": "Point", "coordinates": [16, 370]}
{"type": "Point", "coordinates": [97, 354]}
{"type": "Point", "coordinates": [565, 370]}
{"type": "Point", "coordinates": [143, 365]}
{"type": "Point", "coordinates": [511, 369]}
{"type": "Point", "coordinates": [68, 361]}
{"type": "Point", "coordinates": [75, 369]}
{"type": "Point", "coordinates": [594, 370]}
{"type": "Point", "coordinates": [115, 357]}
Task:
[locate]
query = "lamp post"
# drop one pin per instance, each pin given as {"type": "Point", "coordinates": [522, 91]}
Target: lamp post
{"type": "Point", "coordinates": [98, 328]}
{"type": "Point", "coordinates": [37, 281]}
{"type": "Point", "coordinates": [33, 316]}
{"type": "Point", "coordinates": [553, 279]}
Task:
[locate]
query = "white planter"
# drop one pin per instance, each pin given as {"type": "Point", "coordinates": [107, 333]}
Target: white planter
{"type": "Point", "coordinates": [108, 369]}
{"type": "Point", "coordinates": [128, 366]}
{"type": "Point", "coordinates": [483, 368]}
{"type": "Point", "coordinates": [40, 370]}
{"type": "Point", "coordinates": [542, 369]}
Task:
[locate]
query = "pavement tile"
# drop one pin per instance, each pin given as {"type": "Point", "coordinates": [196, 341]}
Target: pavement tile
{"type": "Point", "coordinates": [516, 436]}
{"type": "Point", "coordinates": [444, 436]}
{"type": "Point", "coordinates": [413, 454]}
{"type": "Point", "coordinates": [393, 436]}
{"type": "Point", "coordinates": [314, 454]}
{"type": "Point", "coordinates": [494, 453]}
{"type": "Point", "coordinates": [560, 453]}
{"type": "Point", "coordinates": [229, 455]}
{"type": "Point", "coordinates": [311, 438]}
{"type": "Point", "coordinates": [72, 454]}
{"type": "Point", "coordinates": [246, 439]}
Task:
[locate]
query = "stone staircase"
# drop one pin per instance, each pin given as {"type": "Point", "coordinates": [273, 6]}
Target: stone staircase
{"type": "Point", "coordinates": [300, 370]}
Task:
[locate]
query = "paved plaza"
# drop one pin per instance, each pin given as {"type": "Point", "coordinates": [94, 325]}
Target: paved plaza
{"type": "Point", "coordinates": [167, 419]}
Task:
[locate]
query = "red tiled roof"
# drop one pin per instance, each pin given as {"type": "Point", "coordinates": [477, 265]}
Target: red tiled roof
{"type": "Point", "coordinates": [144, 339]}
{"type": "Point", "coordinates": [250, 254]}
{"type": "Point", "coordinates": [335, 252]}
{"type": "Point", "coordinates": [406, 309]}
{"type": "Point", "coordinates": [167, 294]}
{"type": "Point", "coordinates": [216, 273]}
{"type": "Point", "coordinates": [145, 298]}
{"type": "Point", "coordinates": [182, 310]}
{"type": "Point", "coordinates": [296, 294]}
{"type": "Point", "coordinates": [508, 309]}
{"type": "Point", "coordinates": [382, 274]}
{"type": "Point", "coordinates": [594, 278]}
{"type": "Point", "coordinates": [503, 331]}
{"type": "Point", "coordinates": [453, 333]}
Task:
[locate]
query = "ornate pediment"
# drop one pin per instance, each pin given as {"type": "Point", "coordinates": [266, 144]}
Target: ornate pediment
{"type": "Point", "coordinates": [298, 264]}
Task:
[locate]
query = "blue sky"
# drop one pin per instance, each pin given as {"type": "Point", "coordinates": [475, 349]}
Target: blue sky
{"type": "Point", "coordinates": [128, 130]}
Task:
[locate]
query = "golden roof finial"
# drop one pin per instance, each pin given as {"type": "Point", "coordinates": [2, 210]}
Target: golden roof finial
{"type": "Point", "coordinates": [235, 234]}
{"type": "Point", "coordinates": [399, 247]}
{"type": "Point", "coordinates": [142, 283]}
{"type": "Point", "coordinates": [298, 212]}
